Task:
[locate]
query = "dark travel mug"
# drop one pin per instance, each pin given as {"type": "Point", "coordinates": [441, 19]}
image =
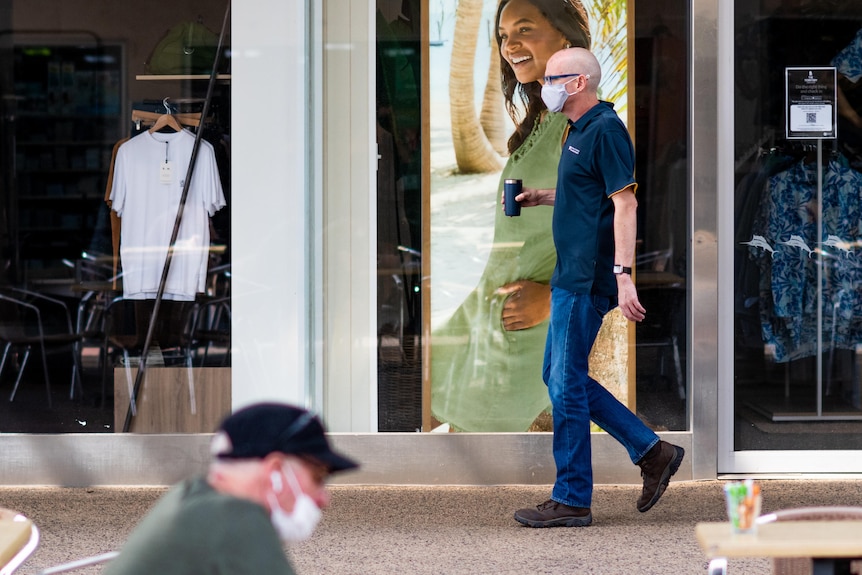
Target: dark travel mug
{"type": "Point", "coordinates": [512, 188]}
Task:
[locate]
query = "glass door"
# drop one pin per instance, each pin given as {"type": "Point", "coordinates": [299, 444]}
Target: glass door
{"type": "Point", "coordinates": [797, 235]}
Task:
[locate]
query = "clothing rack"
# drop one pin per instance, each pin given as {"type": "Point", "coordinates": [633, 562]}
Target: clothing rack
{"type": "Point", "coordinates": [801, 150]}
{"type": "Point", "coordinates": [754, 150]}
{"type": "Point", "coordinates": [139, 378]}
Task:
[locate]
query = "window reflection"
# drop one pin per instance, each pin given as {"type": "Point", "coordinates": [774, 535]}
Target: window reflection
{"type": "Point", "coordinates": [97, 135]}
{"type": "Point", "coordinates": [796, 203]}
{"type": "Point", "coordinates": [661, 94]}
{"type": "Point", "coordinates": [465, 242]}
{"type": "Point", "coordinates": [399, 216]}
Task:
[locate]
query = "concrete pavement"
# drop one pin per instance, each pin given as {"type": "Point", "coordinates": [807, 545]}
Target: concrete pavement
{"type": "Point", "coordinates": [445, 530]}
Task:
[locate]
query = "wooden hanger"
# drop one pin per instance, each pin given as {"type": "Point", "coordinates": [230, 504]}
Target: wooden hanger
{"type": "Point", "coordinates": [186, 119]}
{"type": "Point", "coordinates": [166, 121]}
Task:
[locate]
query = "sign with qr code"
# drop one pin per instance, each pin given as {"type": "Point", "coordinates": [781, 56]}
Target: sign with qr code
{"type": "Point", "coordinates": [812, 107]}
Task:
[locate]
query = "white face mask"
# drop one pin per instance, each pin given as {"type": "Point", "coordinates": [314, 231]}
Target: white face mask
{"type": "Point", "coordinates": [299, 524]}
{"type": "Point", "coordinates": [555, 95]}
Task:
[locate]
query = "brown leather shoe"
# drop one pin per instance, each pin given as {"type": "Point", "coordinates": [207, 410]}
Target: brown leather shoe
{"type": "Point", "coordinates": [657, 466]}
{"type": "Point", "coordinates": [554, 514]}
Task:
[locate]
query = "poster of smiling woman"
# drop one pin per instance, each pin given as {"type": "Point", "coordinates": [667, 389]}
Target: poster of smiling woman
{"type": "Point", "coordinates": [490, 273]}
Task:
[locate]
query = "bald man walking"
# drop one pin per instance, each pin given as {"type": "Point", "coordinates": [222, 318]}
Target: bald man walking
{"type": "Point", "coordinates": [594, 228]}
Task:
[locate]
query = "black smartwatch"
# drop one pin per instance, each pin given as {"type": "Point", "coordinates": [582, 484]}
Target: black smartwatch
{"type": "Point", "coordinates": [618, 269]}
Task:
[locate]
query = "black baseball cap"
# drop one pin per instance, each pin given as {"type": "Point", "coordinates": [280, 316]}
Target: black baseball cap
{"type": "Point", "coordinates": [260, 429]}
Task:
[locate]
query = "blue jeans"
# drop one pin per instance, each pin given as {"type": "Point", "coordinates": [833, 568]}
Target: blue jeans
{"type": "Point", "coordinates": [577, 398]}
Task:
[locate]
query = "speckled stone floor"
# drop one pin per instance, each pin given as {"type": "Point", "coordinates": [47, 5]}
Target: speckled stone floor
{"type": "Point", "coordinates": [444, 530]}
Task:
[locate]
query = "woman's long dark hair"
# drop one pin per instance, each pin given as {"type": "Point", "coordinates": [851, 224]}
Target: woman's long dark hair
{"type": "Point", "coordinates": [570, 18]}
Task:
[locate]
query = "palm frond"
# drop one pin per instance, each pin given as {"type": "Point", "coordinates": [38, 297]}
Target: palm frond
{"type": "Point", "coordinates": [608, 19]}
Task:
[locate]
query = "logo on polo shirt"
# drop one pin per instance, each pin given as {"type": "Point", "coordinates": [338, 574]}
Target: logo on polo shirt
{"type": "Point", "coordinates": [574, 150]}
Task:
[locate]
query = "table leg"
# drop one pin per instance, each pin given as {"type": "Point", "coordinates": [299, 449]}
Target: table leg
{"type": "Point", "coordinates": [717, 566]}
{"type": "Point", "coordinates": [823, 566]}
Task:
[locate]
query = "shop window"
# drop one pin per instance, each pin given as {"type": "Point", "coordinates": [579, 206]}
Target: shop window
{"type": "Point", "coordinates": [472, 374]}
{"type": "Point", "coordinates": [78, 211]}
{"type": "Point", "coordinates": [796, 265]}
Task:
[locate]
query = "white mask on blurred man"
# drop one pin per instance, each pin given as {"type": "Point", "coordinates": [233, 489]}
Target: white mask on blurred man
{"type": "Point", "coordinates": [299, 524]}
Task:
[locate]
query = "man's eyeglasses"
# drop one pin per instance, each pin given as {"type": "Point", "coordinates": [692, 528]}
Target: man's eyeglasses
{"type": "Point", "coordinates": [550, 79]}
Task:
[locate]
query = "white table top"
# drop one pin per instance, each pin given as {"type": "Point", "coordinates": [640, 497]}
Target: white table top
{"type": "Point", "coordinates": [783, 539]}
{"type": "Point", "coordinates": [13, 536]}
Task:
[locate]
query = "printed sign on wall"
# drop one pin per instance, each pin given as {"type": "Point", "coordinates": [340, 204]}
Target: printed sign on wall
{"type": "Point", "coordinates": [812, 109]}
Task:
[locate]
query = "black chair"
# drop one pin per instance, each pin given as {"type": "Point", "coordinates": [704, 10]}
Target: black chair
{"type": "Point", "coordinates": [663, 295]}
{"type": "Point", "coordinates": [29, 319]}
{"type": "Point", "coordinates": [125, 330]}
{"type": "Point", "coordinates": [211, 325]}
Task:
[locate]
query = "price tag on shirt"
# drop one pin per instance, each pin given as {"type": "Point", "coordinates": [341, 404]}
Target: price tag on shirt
{"type": "Point", "coordinates": [166, 173]}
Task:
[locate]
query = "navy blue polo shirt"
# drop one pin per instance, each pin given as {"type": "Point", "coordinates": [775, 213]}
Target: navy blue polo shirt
{"type": "Point", "coordinates": [598, 160]}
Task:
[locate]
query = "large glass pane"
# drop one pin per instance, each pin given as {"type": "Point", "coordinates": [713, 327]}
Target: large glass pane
{"type": "Point", "coordinates": [797, 228]}
{"type": "Point", "coordinates": [87, 219]}
{"type": "Point", "coordinates": [399, 215]}
{"type": "Point", "coordinates": [484, 376]}
{"type": "Point", "coordinates": [661, 141]}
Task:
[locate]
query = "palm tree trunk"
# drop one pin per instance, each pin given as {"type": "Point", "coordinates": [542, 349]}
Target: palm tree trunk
{"type": "Point", "coordinates": [493, 116]}
{"type": "Point", "coordinates": [473, 151]}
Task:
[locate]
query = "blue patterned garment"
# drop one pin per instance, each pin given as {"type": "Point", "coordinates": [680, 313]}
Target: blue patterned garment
{"type": "Point", "coordinates": [787, 224]}
{"type": "Point", "coordinates": [849, 60]}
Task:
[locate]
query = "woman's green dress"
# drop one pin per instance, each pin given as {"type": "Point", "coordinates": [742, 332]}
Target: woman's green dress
{"type": "Point", "coordinates": [484, 378]}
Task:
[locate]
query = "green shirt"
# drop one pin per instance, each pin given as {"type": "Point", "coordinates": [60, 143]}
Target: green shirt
{"type": "Point", "coordinates": [194, 530]}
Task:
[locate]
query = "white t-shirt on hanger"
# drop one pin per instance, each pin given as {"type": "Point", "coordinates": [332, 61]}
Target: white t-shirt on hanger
{"type": "Point", "coordinates": [149, 174]}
